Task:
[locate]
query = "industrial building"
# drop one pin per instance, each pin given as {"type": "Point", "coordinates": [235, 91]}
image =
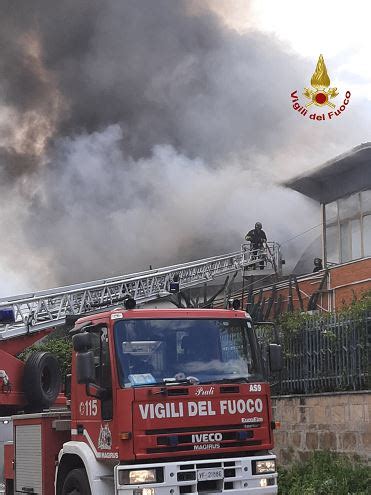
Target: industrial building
{"type": "Point", "coordinates": [342, 187]}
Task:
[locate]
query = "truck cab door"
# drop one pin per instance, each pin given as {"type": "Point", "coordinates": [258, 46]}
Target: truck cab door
{"type": "Point", "coordinates": [94, 405]}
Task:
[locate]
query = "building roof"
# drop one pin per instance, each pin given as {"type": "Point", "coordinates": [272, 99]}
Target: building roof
{"type": "Point", "coordinates": [343, 175]}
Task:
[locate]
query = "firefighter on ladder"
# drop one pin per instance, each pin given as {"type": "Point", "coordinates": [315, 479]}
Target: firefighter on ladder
{"type": "Point", "coordinates": [257, 239]}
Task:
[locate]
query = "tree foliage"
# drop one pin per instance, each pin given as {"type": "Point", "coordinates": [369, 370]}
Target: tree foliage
{"type": "Point", "coordinates": [293, 322]}
{"type": "Point", "coordinates": [61, 347]}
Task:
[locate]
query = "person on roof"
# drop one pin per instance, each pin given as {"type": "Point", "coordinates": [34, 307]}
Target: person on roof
{"type": "Point", "coordinates": [317, 265]}
{"type": "Point", "coordinates": [257, 239]}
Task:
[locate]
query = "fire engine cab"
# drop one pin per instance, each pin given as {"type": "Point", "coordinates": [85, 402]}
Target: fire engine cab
{"type": "Point", "coordinates": [158, 402]}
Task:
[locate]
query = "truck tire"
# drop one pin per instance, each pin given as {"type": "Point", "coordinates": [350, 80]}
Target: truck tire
{"type": "Point", "coordinates": [76, 483]}
{"type": "Point", "coordinates": [41, 379]}
{"type": "Point", "coordinates": [9, 487]}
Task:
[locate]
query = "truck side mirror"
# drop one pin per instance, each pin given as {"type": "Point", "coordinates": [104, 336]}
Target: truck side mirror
{"type": "Point", "coordinates": [67, 386]}
{"type": "Point", "coordinates": [85, 369]}
{"type": "Point", "coordinates": [81, 342]}
{"type": "Point", "coordinates": [275, 358]}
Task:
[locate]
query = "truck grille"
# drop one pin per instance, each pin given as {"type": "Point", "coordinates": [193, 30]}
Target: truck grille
{"type": "Point", "coordinates": [198, 439]}
{"type": "Point", "coordinates": [195, 429]}
{"type": "Point", "coordinates": [232, 435]}
{"type": "Point", "coordinates": [161, 450]}
{"type": "Point", "coordinates": [230, 474]}
{"type": "Point", "coordinates": [187, 477]}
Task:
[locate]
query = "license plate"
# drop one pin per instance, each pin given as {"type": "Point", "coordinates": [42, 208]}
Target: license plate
{"type": "Point", "coordinates": [210, 474]}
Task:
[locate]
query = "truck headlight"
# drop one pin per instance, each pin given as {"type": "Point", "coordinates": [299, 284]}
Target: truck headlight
{"type": "Point", "coordinates": [142, 476]}
{"type": "Point", "coordinates": [264, 466]}
{"type": "Point", "coordinates": [137, 476]}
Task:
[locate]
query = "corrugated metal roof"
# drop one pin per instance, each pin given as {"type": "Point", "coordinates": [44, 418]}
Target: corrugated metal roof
{"type": "Point", "coordinates": [343, 175]}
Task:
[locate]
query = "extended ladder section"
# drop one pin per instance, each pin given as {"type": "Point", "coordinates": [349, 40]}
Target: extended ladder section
{"type": "Point", "coordinates": [45, 309]}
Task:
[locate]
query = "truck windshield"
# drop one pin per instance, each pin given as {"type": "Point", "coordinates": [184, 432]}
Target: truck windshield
{"type": "Point", "coordinates": [165, 351]}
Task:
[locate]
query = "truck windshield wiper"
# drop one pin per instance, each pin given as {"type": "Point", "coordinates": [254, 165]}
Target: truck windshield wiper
{"type": "Point", "coordinates": [168, 381]}
{"type": "Point", "coordinates": [185, 381]}
{"type": "Point", "coordinates": [191, 381]}
{"type": "Point", "coordinates": [237, 379]}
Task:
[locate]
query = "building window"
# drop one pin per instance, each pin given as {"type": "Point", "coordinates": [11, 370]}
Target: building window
{"type": "Point", "coordinates": [332, 213]}
{"type": "Point", "coordinates": [349, 207]}
{"type": "Point", "coordinates": [355, 226]}
{"type": "Point", "coordinates": [345, 246]}
{"type": "Point", "coordinates": [333, 244]}
{"type": "Point", "coordinates": [366, 201]}
{"type": "Point", "coordinates": [348, 228]}
{"type": "Point", "coordinates": [367, 235]}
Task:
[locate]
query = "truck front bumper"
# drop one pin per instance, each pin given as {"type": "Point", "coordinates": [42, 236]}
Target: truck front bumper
{"type": "Point", "coordinates": [231, 476]}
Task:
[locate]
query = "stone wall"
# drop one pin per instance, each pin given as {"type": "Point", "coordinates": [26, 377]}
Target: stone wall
{"type": "Point", "coordinates": [337, 421]}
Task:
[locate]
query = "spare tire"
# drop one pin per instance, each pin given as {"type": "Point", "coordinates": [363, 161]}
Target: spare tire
{"type": "Point", "coordinates": [41, 379]}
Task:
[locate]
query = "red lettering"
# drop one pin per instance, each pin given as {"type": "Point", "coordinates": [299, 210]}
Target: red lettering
{"type": "Point", "coordinates": [294, 96]}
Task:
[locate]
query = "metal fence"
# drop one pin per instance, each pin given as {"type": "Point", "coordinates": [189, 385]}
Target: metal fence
{"type": "Point", "coordinates": [330, 353]}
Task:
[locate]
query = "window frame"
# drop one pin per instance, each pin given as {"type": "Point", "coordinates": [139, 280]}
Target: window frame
{"type": "Point", "coordinates": [337, 222]}
{"type": "Point", "coordinates": [250, 337]}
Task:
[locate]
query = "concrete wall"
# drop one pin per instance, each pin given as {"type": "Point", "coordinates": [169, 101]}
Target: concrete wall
{"type": "Point", "coordinates": [337, 421]}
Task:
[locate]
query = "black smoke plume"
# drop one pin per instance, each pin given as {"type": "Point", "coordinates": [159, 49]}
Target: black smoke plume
{"type": "Point", "coordinates": [142, 132]}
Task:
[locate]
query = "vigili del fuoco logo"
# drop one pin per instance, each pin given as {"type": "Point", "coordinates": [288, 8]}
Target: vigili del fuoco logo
{"type": "Point", "coordinates": [320, 95]}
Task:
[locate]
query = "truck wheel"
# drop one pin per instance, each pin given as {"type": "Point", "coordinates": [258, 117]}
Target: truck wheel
{"type": "Point", "coordinates": [9, 487]}
{"type": "Point", "coordinates": [41, 379]}
{"type": "Point", "coordinates": [76, 483]}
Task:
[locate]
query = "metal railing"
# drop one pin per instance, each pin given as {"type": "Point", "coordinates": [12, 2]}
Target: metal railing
{"type": "Point", "coordinates": [330, 353]}
{"type": "Point", "coordinates": [268, 257]}
{"type": "Point", "coordinates": [45, 309]}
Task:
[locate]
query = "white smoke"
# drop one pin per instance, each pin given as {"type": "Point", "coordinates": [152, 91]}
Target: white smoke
{"type": "Point", "coordinates": [118, 215]}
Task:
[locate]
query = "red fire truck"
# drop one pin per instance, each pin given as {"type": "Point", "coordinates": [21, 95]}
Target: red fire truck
{"type": "Point", "coordinates": [159, 401]}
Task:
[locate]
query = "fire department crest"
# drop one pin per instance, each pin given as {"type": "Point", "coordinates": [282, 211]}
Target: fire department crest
{"type": "Point", "coordinates": [320, 94]}
{"type": "Point", "coordinates": [105, 438]}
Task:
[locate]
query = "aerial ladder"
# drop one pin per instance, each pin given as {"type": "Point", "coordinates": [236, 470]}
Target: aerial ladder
{"type": "Point", "coordinates": [26, 318]}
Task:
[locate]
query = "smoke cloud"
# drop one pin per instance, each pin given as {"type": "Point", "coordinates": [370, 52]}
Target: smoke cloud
{"type": "Point", "coordinates": [138, 133]}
